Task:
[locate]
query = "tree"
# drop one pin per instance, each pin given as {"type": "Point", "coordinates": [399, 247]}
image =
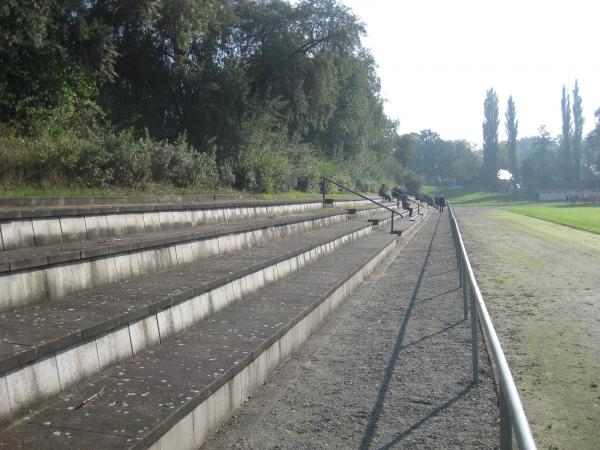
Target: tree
{"type": "Point", "coordinates": [565, 140]}
{"type": "Point", "coordinates": [442, 162]}
{"type": "Point", "coordinates": [512, 130]}
{"type": "Point", "coordinates": [490, 137]}
{"type": "Point", "coordinates": [593, 146]}
{"type": "Point", "coordinates": [540, 165]}
{"type": "Point", "coordinates": [578, 132]}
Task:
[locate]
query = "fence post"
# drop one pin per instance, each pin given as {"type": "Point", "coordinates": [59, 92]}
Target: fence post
{"type": "Point", "coordinates": [474, 338]}
{"type": "Point", "coordinates": [392, 230]}
{"type": "Point", "coordinates": [464, 289]}
{"type": "Point", "coordinates": [323, 190]}
{"type": "Point", "coordinates": [505, 425]}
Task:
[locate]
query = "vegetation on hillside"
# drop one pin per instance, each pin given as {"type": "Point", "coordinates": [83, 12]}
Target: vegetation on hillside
{"type": "Point", "coordinates": [261, 95]}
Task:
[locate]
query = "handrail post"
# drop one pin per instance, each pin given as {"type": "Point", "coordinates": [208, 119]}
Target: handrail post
{"type": "Point", "coordinates": [465, 291]}
{"type": "Point", "coordinates": [474, 340]}
{"type": "Point", "coordinates": [323, 189]}
{"type": "Point", "coordinates": [506, 440]}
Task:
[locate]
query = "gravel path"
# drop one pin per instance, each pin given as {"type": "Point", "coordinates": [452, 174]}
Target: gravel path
{"type": "Point", "coordinates": [391, 369]}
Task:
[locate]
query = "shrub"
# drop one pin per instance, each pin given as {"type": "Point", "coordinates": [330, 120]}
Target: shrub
{"type": "Point", "coordinates": [181, 165]}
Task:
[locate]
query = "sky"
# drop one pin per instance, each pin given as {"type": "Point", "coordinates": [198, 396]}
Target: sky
{"type": "Point", "coordinates": [437, 58]}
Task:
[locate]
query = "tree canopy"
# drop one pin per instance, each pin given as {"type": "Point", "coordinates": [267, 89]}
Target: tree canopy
{"type": "Point", "coordinates": [275, 90]}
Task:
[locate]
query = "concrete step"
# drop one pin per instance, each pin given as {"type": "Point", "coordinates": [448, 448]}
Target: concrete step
{"type": "Point", "coordinates": [120, 200]}
{"type": "Point", "coordinates": [173, 395]}
{"type": "Point", "coordinates": [46, 348]}
{"type": "Point", "coordinates": [41, 226]}
{"type": "Point", "coordinates": [30, 276]}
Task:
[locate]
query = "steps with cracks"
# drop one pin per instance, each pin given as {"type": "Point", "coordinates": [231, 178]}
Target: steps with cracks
{"type": "Point", "coordinates": [48, 347]}
{"type": "Point", "coordinates": [175, 393]}
{"type": "Point", "coordinates": [42, 226]}
{"type": "Point", "coordinates": [35, 275]}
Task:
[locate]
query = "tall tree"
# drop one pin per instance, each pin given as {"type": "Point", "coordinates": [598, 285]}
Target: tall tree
{"type": "Point", "coordinates": [512, 130]}
{"type": "Point", "coordinates": [567, 132]}
{"type": "Point", "coordinates": [593, 147]}
{"type": "Point", "coordinates": [577, 132]}
{"type": "Point", "coordinates": [490, 136]}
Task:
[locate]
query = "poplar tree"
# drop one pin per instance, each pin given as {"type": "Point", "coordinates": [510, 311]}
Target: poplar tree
{"type": "Point", "coordinates": [512, 130]}
{"type": "Point", "coordinates": [565, 142]}
{"type": "Point", "coordinates": [578, 132]}
{"type": "Point", "coordinates": [490, 136]}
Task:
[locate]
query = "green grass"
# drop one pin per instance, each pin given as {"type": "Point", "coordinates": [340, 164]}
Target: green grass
{"type": "Point", "coordinates": [157, 189]}
{"type": "Point", "coordinates": [297, 195]}
{"type": "Point", "coordinates": [472, 196]}
{"type": "Point", "coordinates": [582, 217]}
{"type": "Point", "coordinates": [61, 191]}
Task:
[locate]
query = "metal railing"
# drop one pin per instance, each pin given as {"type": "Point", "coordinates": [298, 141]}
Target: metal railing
{"type": "Point", "coordinates": [512, 415]}
{"type": "Point", "coordinates": [393, 211]}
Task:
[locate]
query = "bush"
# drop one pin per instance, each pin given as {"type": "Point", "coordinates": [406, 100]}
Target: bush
{"type": "Point", "coordinates": [181, 165]}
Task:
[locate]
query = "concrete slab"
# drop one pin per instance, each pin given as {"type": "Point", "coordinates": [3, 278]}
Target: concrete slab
{"type": "Point", "coordinates": [33, 382]}
{"type": "Point", "coordinates": [114, 346]}
{"type": "Point", "coordinates": [116, 224]}
{"type": "Point", "coordinates": [76, 363]}
{"type": "Point", "coordinates": [73, 229]}
{"type": "Point", "coordinates": [144, 333]}
{"type": "Point", "coordinates": [96, 226]}
{"type": "Point", "coordinates": [47, 231]}
{"type": "Point", "coordinates": [17, 234]}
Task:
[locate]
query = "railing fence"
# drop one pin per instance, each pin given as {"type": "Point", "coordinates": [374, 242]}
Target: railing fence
{"type": "Point", "coordinates": [513, 422]}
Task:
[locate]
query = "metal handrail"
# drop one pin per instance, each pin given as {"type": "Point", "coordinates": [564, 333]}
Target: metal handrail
{"type": "Point", "coordinates": [393, 211]}
{"type": "Point", "coordinates": [512, 415]}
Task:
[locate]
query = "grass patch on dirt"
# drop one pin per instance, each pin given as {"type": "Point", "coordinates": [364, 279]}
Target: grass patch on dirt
{"type": "Point", "coordinates": [581, 217]}
{"type": "Point", "coordinates": [473, 196]}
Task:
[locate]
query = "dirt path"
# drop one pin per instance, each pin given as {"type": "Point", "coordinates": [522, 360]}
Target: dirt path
{"type": "Point", "coordinates": [391, 369]}
{"type": "Point", "coordinates": [541, 282]}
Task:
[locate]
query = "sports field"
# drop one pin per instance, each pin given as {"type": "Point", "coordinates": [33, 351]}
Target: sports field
{"type": "Point", "coordinates": [582, 217]}
{"type": "Point", "coordinates": [540, 282]}
{"type": "Point", "coordinates": [472, 196]}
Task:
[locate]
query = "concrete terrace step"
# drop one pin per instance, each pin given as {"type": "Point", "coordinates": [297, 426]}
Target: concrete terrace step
{"type": "Point", "coordinates": [76, 337]}
{"type": "Point", "coordinates": [34, 275]}
{"type": "Point", "coordinates": [119, 200]}
{"type": "Point", "coordinates": [30, 227]}
{"type": "Point", "coordinates": [173, 395]}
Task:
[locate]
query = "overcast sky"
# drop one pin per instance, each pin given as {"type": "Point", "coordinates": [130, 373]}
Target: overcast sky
{"type": "Point", "coordinates": [437, 58]}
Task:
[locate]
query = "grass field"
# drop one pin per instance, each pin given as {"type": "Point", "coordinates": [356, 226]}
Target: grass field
{"type": "Point", "coordinates": [582, 217]}
{"type": "Point", "coordinates": [472, 196]}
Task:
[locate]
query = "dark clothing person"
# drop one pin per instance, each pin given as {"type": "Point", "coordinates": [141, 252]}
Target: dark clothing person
{"type": "Point", "coordinates": [384, 194]}
{"type": "Point", "coordinates": [406, 205]}
{"type": "Point", "coordinates": [442, 201]}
